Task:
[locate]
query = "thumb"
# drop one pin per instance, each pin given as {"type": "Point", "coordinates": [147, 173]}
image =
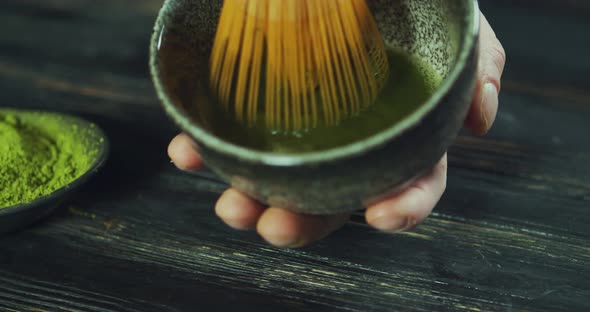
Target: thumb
{"type": "Point", "coordinates": [484, 107]}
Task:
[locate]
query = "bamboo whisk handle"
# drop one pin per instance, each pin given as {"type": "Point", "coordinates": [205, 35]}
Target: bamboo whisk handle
{"type": "Point", "coordinates": [293, 64]}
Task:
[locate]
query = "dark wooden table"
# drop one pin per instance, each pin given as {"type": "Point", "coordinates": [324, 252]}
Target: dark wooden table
{"type": "Point", "coordinates": [511, 233]}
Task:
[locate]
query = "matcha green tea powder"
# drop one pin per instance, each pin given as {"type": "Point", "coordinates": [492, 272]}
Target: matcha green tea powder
{"type": "Point", "coordinates": [39, 154]}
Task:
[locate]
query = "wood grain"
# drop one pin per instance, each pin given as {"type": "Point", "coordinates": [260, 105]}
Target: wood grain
{"type": "Point", "coordinates": [510, 234]}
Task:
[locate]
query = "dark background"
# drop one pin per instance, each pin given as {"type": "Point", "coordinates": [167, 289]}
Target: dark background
{"type": "Point", "coordinates": [510, 234]}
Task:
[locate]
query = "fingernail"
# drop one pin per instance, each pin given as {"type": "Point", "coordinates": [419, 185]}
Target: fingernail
{"type": "Point", "coordinates": [298, 243]}
{"type": "Point", "coordinates": [391, 224]}
{"type": "Point", "coordinates": [489, 99]}
{"type": "Point", "coordinates": [294, 242]}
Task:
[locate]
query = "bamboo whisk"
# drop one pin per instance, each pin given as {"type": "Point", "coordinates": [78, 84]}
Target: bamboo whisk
{"type": "Point", "coordinates": [297, 63]}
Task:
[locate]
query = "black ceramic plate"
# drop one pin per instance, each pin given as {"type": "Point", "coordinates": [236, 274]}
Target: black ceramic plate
{"type": "Point", "coordinates": [16, 217]}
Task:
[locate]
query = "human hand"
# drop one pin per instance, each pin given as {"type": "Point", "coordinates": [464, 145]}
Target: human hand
{"type": "Point", "coordinates": [283, 228]}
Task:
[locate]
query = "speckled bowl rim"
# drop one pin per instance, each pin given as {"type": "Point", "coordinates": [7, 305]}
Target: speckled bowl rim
{"type": "Point", "coordinates": [468, 42]}
{"type": "Point", "coordinates": [99, 162]}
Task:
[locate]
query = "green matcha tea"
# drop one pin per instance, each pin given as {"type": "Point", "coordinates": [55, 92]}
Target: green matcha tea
{"type": "Point", "coordinates": [39, 154]}
{"type": "Point", "coordinates": [184, 74]}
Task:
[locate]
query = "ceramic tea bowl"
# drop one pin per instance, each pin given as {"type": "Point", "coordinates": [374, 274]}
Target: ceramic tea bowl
{"type": "Point", "coordinates": [349, 177]}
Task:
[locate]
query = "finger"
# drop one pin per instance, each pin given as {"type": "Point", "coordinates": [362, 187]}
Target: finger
{"type": "Point", "coordinates": [492, 60]}
{"type": "Point", "coordinates": [238, 211]}
{"type": "Point", "coordinates": [406, 210]}
{"type": "Point", "coordinates": [283, 228]}
{"type": "Point", "coordinates": [183, 153]}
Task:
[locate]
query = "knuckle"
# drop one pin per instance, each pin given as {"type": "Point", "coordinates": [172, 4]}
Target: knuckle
{"type": "Point", "coordinates": [497, 54]}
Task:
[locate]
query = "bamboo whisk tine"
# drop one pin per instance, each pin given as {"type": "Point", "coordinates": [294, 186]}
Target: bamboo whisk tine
{"type": "Point", "coordinates": [297, 63]}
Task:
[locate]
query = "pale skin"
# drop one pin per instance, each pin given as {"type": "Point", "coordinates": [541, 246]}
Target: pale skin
{"type": "Point", "coordinates": [403, 212]}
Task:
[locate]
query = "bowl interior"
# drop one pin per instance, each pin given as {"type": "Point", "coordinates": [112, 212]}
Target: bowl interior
{"type": "Point", "coordinates": [434, 35]}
